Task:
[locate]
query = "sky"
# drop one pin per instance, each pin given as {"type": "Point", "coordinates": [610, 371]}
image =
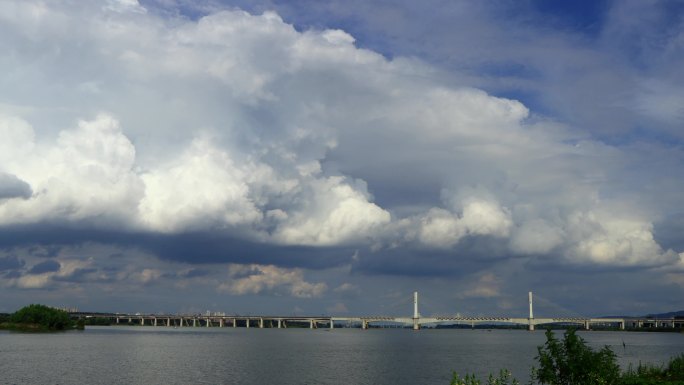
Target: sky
{"type": "Point", "coordinates": [306, 158]}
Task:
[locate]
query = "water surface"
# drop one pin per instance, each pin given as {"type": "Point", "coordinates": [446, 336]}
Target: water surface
{"type": "Point", "coordinates": [160, 355]}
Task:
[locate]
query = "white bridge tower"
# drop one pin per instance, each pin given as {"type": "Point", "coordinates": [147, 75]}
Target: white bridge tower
{"type": "Point", "coordinates": [416, 315]}
{"type": "Point", "coordinates": [531, 319]}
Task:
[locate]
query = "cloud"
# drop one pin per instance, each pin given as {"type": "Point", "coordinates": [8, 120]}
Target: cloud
{"type": "Point", "coordinates": [201, 189]}
{"type": "Point", "coordinates": [11, 262]}
{"type": "Point", "coordinates": [441, 228]}
{"type": "Point", "coordinates": [536, 237]}
{"type": "Point", "coordinates": [486, 286]}
{"type": "Point", "coordinates": [125, 6]}
{"type": "Point", "coordinates": [234, 137]}
{"type": "Point", "coordinates": [338, 308]}
{"type": "Point", "coordinates": [337, 212]}
{"type": "Point", "coordinates": [85, 176]}
{"type": "Point", "coordinates": [13, 187]}
{"type": "Point", "coordinates": [45, 267]}
{"type": "Point", "coordinates": [256, 279]}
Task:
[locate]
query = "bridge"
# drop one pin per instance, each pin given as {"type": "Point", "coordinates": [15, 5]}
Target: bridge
{"type": "Point", "coordinates": [416, 322]}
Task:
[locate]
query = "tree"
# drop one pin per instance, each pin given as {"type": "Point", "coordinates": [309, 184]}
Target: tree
{"type": "Point", "coordinates": [42, 315]}
{"type": "Point", "coordinates": [572, 362]}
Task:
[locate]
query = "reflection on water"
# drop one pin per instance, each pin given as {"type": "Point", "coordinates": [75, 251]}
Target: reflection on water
{"type": "Point", "coordinates": [148, 355]}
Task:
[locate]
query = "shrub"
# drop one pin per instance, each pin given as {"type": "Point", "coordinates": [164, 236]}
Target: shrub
{"type": "Point", "coordinates": [672, 373]}
{"type": "Point", "coordinates": [572, 362]}
{"type": "Point", "coordinates": [505, 378]}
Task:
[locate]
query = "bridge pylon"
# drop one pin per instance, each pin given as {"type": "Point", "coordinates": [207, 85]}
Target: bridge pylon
{"type": "Point", "coordinates": [530, 325]}
{"type": "Point", "coordinates": [416, 315]}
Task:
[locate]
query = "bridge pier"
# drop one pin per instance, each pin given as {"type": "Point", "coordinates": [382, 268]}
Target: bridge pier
{"type": "Point", "coordinates": [261, 323]}
{"type": "Point", "coordinates": [586, 325]}
{"type": "Point", "coordinates": [168, 322]}
{"type": "Point", "coordinates": [154, 321]}
{"type": "Point", "coordinates": [332, 324]}
{"type": "Point", "coordinates": [311, 324]}
{"type": "Point", "coordinates": [142, 321]}
{"type": "Point", "coordinates": [194, 322]}
{"type": "Point", "coordinates": [247, 322]}
{"type": "Point", "coordinates": [279, 323]}
{"type": "Point", "coordinates": [117, 320]}
{"type": "Point", "coordinates": [234, 323]}
{"type": "Point", "coordinates": [221, 322]}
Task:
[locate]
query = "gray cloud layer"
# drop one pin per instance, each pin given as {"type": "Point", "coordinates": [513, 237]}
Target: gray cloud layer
{"type": "Point", "coordinates": [236, 138]}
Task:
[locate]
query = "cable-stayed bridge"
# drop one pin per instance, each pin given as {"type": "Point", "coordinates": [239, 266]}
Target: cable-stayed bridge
{"type": "Point", "coordinates": [416, 321]}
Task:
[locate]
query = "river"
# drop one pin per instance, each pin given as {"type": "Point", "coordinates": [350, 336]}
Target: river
{"type": "Point", "coordinates": [160, 355]}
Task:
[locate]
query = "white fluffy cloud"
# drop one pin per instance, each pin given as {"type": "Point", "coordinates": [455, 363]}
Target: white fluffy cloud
{"type": "Point", "coordinates": [255, 279]}
{"type": "Point", "coordinates": [240, 123]}
{"type": "Point", "coordinates": [85, 174]}
{"type": "Point", "coordinates": [442, 228]}
{"type": "Point", "coordinates": [335, 212]}
{"type": "Point", "coordinates": [202, 186]}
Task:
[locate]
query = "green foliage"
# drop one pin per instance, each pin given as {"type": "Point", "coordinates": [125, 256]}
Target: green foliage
{"type": "Point", "coordinates": [505, 378]}
{"type": "Point", "coordinates": [675, 368]}
{"type": "Point", "coordinates": [42, 315]}
{"type": "Point", "coordinates": [572, 362]}
{"type": "Point", "coordinates": [672, 373]}
{"type": "Point", "coordinates": [98, 321]}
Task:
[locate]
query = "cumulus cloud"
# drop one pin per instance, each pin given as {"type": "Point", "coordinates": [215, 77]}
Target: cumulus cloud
{"type": "Point", "coordinates": [85, 175]}
{"type": "Point", "coordinates": [200, 188]}
{"type": "Point", "coordinates": [256, 279]}
{"type": "Point", "coordinates": [13, 187]}
{"type": "Point", "coordinates": [240, 125]}
{"type": "Point", "coordinates": [442, 228]}
{"type": "Point", "coordinates": [336, 212]}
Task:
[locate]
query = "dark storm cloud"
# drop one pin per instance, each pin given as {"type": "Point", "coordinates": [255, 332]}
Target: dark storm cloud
{"type": "Point", "coordinates": [45, 267]}
{"type": "Point", "coordinates": [13, 187]}
{"type": "Point", "coordinates": [670, 231]}
{"type": "Point", "coordinates": [11, 262]}
{"type": "Point", "coordinates": [13, 274]}
{"type": "Point", "coordinates": [192, 248]}
{"type": "Point", "coordinates": [46, 251]}
{"type": "Point", "coordinates": [472, 255]}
